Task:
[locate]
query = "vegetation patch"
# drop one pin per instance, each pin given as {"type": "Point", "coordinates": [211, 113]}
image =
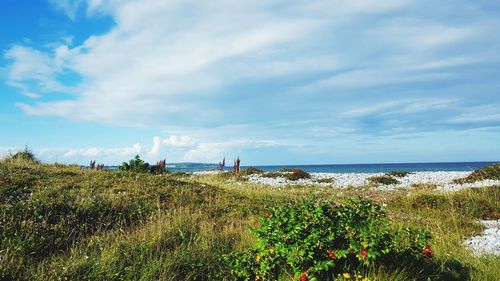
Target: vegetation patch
{"type": "Point", "coordinates": [433, 201]}
{"type": "Point", "coordinates": [289, 174]}
{"type": "Point", "coordinates": [325, 180]}
{"type": "Point", "coordinates": [272, 175]}
{"type": "Point", "coordinates": [398, 174]}
{"type": "Point", "coordinates": [61, 222]}
{"type": "Point", "coordinates": [424, 186]}
{"type": "Point", "coordinates": [251, 171]}
{"type": "Point", "coordinates": [491, 172]}
{"type": "Point", "coordinates": [385, 180]}
{"type": "Point", "coordinates": [22, 156]}
{"type": "Point", "coordinates": [312, 240]}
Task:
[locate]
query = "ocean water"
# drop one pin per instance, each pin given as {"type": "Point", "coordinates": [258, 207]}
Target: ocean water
{"type": "Point", "coordinates": [347, 168]}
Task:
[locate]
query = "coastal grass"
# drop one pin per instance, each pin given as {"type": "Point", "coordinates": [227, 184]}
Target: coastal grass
{"type": "Point", "coordinates": [60, 222]}
{"type": "Point", "coordinates": [384, 180]}
{"type": "Point", "coordinates": [491, 172]}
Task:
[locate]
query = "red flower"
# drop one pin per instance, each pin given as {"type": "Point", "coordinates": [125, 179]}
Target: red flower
{"type": "Point", "coordinates": [363, 252]}
{"type": "Point", "coordinates": [427, 252]}
{"type": "Point", "coordinates": [267, 215]}
{"type": "Point", "coordinates": [331, 255]}
{"type": "Point", "coordinates": [303, 277]}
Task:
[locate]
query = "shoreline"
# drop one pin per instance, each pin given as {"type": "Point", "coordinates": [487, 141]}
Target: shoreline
{"type": "Point", "coordinates": [443, 180]}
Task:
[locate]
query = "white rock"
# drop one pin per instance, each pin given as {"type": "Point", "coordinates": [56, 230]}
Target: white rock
{"type": "Point", "coordinates": [489, 241]}
{"type": "Point", "coordinates": [442, 179]}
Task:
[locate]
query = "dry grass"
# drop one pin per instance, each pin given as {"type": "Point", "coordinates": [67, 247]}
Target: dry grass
{"type": "Point", "coordinates": [62, 223]}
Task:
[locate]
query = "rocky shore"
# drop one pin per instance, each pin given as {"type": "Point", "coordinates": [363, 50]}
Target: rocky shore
{"type": "Point", "coordinates": [489, 241]}
{"type": "Point", "coordinates": [442, 180]}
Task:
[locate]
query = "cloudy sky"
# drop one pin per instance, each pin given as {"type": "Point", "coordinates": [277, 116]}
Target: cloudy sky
{"type": "Point", "coordinates": [274, 82]}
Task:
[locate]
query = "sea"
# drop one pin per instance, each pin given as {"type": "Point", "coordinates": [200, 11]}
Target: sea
{"type": "Point", "coordinates": [345, 168]}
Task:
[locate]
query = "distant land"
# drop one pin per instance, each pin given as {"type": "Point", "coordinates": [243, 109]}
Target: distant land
{"type": "Point", "coordinates": [338, 168]}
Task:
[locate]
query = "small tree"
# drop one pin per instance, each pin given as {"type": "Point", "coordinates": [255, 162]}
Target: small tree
{"type": "Point", "coordinates": [25, 155]}
{"type": "Point", "coordinates": [136, 165]}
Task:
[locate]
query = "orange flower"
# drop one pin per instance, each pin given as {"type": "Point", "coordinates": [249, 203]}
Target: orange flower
{"type": "Point", "coordinates": [427, 252]}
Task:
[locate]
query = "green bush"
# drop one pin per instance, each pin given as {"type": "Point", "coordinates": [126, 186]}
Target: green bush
{"type": "Point", "coordinates": [325, 180]}
{"type": "Point", "coordinates": [385, 180]}
{"type": "Point", "coordinates": [272, 175]}
{"type": "Point", "coordinates": [320, 239]}
{"type": "Point", "coordinates": [136, 165]}
{"type": "Point", "coordinates": [251, 171]}
{"type": "Point", "coordinates": [491, 172]}
{"type": "Point", "coordinates": [291, 174]}
{"type": "Point", "coordinates": [398, 174]}
{"type": "Point", "coordinates": [25, 155]}
{"type": "Point", "coordinates": [297, 174]}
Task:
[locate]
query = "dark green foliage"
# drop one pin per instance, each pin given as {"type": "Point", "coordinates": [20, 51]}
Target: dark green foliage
{"type": "Point", "coordinates": [272, 175]}
{"type": "Point", "coordinates": [398, 174]}
{"type": "Point", "coordinates": [322, 238]}
{"type": "Point", "coordinates": [25, 155]}
{"type": "Point", "coordinates": [136, 165]}
{"type": "Point", "coordinates": [297, 174]}
{"type": "Point", "coordinates": [491, 172]}
{"type": "Point", "coordinates": [251, 171]}
{"type": "Point", "coordinates": [385, 180]}
{"type": "Point", "coordinates": [325, 180]}
{"type": "Point", "coordinates": [289, 174]}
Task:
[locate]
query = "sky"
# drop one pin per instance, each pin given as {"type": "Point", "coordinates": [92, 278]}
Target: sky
{"type": "Point", "coordinates": [273, 82]}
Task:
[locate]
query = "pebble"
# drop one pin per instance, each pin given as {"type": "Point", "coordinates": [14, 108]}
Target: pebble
{"type": "Point", "coordinates": [489, 241]}
{"type": "Point", "coordinates": [442, 179]}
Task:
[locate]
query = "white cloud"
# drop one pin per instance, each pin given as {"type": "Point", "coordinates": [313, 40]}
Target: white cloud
{"type": "Point", "coordinates": [212, 152]}
{"type": "Point", "coordinates": [160, 52]}
{"type": "Point", "coordinates": [401, 107]}
{"type": "Point", "coordinates": [419, 34]}
{"type": "Point", "coordinates": [34, 72]}
{"type": "Point", "coordinates": [172, 141]}
{"type": "Point", "coordinates": [69, 7]}
{"type": "Point", "coordinates": [483, 114]}
{"type": "Point", "coordinates": [104, 152]}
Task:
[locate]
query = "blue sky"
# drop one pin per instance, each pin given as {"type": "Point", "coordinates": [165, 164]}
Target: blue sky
{"type": "Point", "coordinates": [274, 82]}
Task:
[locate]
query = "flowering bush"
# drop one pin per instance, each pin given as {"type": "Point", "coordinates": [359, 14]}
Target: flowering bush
{"type": "Point", "coordinates": [314, 239]}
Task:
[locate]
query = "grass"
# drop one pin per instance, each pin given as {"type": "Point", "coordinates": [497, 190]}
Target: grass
{"type": "Point", "coordinates": [491, 172]}
{"type": "Point", "coordinates": [384, 180]}
{"type": "Point", "coordinates": [398, 174]}
{"type": "Point", "coordinates": [59, 222]}
{"type": "Point", "coordinates": [325, 180]}
{"type": "Point", "coordinates": [291, 174]}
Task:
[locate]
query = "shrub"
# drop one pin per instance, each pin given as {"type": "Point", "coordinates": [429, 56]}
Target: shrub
{"type": "Point", "coordinates": [319, 239]}
{"type": "Point", "coordinates": [25, 155]}
{"type": "Point", "coordinates": [491, 172]}
{"type": "Point", "coordinates": [135, 165]}
{"type": "Point", "coordinates": [272, 175]}
{"type": "Point", "coordinates": [289, 174]}
{"type": "Point", "coordinates": [297, 175]}
{"type": "Point", "coordinates": [251, 171]}
{"type": "Point", "coordinates": [398, 174]}
{"type": "Point", "coordinates": [385, 180]}
{"type": "Point", "coordinates": [325, 180]}
{"type": "Point", "coordinates": [294, 174]}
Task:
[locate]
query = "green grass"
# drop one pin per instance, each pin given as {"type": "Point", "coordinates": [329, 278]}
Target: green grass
{"type": "Point", "coordinates": [62, 223]}
{"type": "Point", "coordinates": [290, 174]}
{"type": "Point", "coordinates": [398, 174]}
{"type": "Point", "coordinates": [491, 172]}
{"type": "Point", "coordinates": [385, 180]}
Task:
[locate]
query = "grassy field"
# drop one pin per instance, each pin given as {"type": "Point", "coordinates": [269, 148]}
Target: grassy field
{"type": "Point", "coordinates": [63, 223]}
